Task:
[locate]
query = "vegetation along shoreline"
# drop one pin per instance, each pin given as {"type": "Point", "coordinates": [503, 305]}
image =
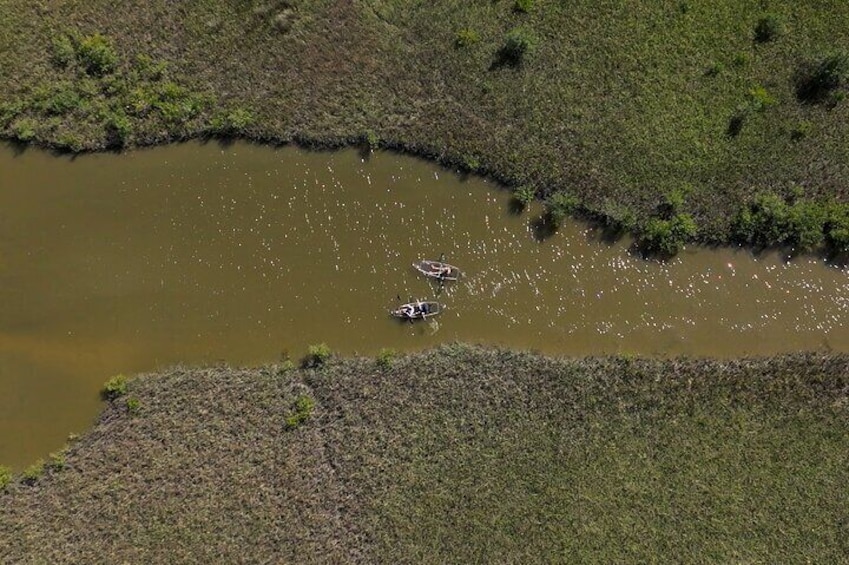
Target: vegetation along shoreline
{"type": "Point", "coordinates": [673, 121]}
{"type": "Point", "coordinates": [457, 454]}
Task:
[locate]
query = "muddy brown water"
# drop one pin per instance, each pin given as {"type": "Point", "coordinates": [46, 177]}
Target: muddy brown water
{"type": "Point", "coordinates": [198, 254]}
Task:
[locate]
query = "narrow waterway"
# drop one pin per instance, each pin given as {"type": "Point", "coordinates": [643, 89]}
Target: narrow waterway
{"type": "Point", "coordinates": [202, 253]}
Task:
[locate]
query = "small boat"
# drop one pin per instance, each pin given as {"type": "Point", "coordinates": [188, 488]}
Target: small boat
{"type": "Point", "coordinates": [438, 270]}
{"type": "Point", "coordinates": [418, 310]}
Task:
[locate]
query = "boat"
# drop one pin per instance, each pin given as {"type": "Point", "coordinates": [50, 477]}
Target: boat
{"type": "Point", "coordinates": [438, 270]}
{"type": "Point", "coordinates": [418, 310]}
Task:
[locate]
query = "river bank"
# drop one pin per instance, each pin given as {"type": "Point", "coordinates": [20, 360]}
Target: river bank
{"type": "Point", "coordinates": [454, 454]}
{"type": "Point", "coordinates": [670, 120]}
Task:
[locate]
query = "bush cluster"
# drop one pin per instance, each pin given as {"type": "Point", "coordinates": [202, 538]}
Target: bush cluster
{"type": "Point", "coordinates": [816, 80]}
{"type": "Point", "coordinates": [769, 220]}
{"type": "Point", "coordinates": [114, 387]}
{"type": "Point", "coordinates": [317, 355]}
{"type": "Point", "coordinates": [304, 406]}
{"type": "Point", "coordinates": [559, 206]}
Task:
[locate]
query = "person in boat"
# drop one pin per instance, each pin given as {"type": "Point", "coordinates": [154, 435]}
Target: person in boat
{"type": "Point", "coordinates": [408, 310]}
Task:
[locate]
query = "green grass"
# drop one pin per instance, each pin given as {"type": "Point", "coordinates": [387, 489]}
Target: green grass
{"type": "Point", "coordinates": [614, 106]}
{"type": "Point", "coordinates": [458, 455]}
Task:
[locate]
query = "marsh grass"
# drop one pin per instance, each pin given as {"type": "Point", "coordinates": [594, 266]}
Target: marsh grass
{"type": "Point", "coordinates": [459, 454]}
{"type": "Point", "coordinates": [610, 105]}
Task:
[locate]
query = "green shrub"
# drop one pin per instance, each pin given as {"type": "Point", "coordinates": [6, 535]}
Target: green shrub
{"type": "Point", "coordinates": [523, 6]}
{"type": "Point", "coordinates": [233, 122]}
{"type": "Point", "coordinates": [764, 222]}
{"type": "Point", "coordinates": [133, 405]}
{"type": "Point", "coordinates": [62, 51]}
{"type": "Point", "coordinates": [5, 477]}
{"type": "Point", "coordinates": [96, 54]}
{"type": "Point", "coordinates": [466, 37]}
{"type": "Point", "coordinates": [666, 237]}
{"type": "Point", "coordinates": [62, 100]}
{"type": "Point", "coordinates": [372, 140]}
{"type": "Point", "coordinates": [385, 357]}
{"type": "Point", "coordinates": [114, 387]}
{"type": "Point", "coordinates": [768, 28]}
{"type": "Point", "coordinates": [32, 473]}
{"type": "Point", "coordinates": [806, 222]}
{"type": "Point", "coordinates": [760, 99]}
{"type": "Point", "coordinates": [517, 44]}
{"type": "Point", "coordinates": [302, 411]}
{"type": "Point", "coordinates": [57, 460]}
{"type": "Point", "coordinates": [317, 355]}
{"type": "Point", "coordinates": [837, 228]}
{"type": "Point", "coordinates": [524, 194]}
{"type": "Point", "coordinates": [559, 206]}
{"type": "Point", "coordinates": [816, 80]}
{"type": "Point", "coordinates": [24, 129]}
{"type": "Point", "coordinates": [118, 128]}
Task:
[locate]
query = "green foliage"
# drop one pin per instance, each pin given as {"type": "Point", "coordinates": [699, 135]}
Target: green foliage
{"type": "Point", "coordinates": [666, 237]}
{"type": "Point", "coordinates": [5, 477]}
{"type": "Point", "coordinates": [768, 28]}
{"type": "Point", "coordinates": [524, 194]}
{"type": "Point", "coordinates": [837, 228]}
{"type": "Point", "coordinates": [149, 69]}
{"type": "Point", "coordinates": [63, 99]}
{"type": "Point", "coordinates": [760, 99]}
{"type": "Point", "coordinates": [523, 6]}
{"type": "Point", "coordinates": [97, 55]}
{"type": "Point", "coordinates": [118, 127]}
{"type": "Point", "coordinates": [317, 356]}
{"type": "Point", "coordinates": [466, 37]}
{"type": "Point", "coordinates": [62, 52]}
{"type": "Point", "coordinates": [816, 80]}
{"type": "Point", "coordinates": [233, 122]}
{"type": "Point", "coordinates": [559, 206]}
{"type": "Point", "coordinates": [32, 473]}
{"type": "Point", "coordinates": [518, 43]}
{"type": "Point", "coordinates": [57, 460]}
{"type": "Point", "coordinates": [24, 129]}
{"type": "Point", "coordinates": [114, 387]}
{"type": "Point", "coordinates": [133, 405]}
{"type": "Point", "coordinates": [372, 140]}
{"type": "Point", "coordinates": [385, 357]}
{"type": "Point", "coordinates": [302, 411]}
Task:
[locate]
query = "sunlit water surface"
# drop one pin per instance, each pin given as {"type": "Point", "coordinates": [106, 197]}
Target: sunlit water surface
{"type": "Point", "coordinates": [198, 254]}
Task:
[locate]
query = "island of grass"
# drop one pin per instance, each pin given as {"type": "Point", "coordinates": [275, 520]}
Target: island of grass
{"type": "Point", "coordinates": [715, 121]}
{"type": "Point", "coordinates": [455, 455]}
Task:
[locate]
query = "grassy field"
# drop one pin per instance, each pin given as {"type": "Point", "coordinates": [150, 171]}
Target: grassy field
{"type": "Point", "coordinates": [457, 455]}
{"type": "Point", "coordinates": [663, 117]}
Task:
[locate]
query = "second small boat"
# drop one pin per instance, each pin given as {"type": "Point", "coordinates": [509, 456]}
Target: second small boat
{"type": "Point", "coordinates": [438, 270]}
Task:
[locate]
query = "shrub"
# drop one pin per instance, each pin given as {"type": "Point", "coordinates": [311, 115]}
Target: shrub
{"type": "Point", "coordinates": [764, 222]}
{"type": "Point", "coordinates": [24, 129]}
{"type": "Point", "coordinates": [665, 237]}
{"type": "Point", "coordinates": [133, 405]}
{"type": "Point", "coordinates": [57, 460]}
{"type": "Point", "coordinates": [118, 128]}
{"type": "Point", "coordinates": [114, 387]}
{"type": "Point", "coordinates": [62, 100]}
{"type": "Point", "coordinates": [5, 477]}
{"type": "Point", "coordinates": [304, 406]}
{"type": "Point", "coordinates": [524, 194]}
{"type": "Point", "coordinates": [760, 99]}
{"type": "Point", "coordinates": [466, 37]}
{"type": "Point", "coordinates": [805, 222]}
{"type": "Point", "coordinates": [32, 473]}
{"type": "Point", "coordinates": [816, 80]}
{"type": "Point", "coordinates": [233, 122]}
{"type": "Point", "coordinates": [385, 357]}
{"type": "Point", "coordinates": [62, 51]}
{"type": "Point", "coordinates": [517, 44]}
{"type": "Point", "coordinates": [768, 28]}
{"type": "Point", "coordinates": [372, 140]}
{"type": "Point", "coordinates": [558, 206]}
{"type": "Point", "coordinates": [96, 54]}
{"type": "Point", "coordinates": [837, 228]}
{"type": "Point", "coordinates": [317, 355]}
{"type": "Point", "coordinates": [523, 6]}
